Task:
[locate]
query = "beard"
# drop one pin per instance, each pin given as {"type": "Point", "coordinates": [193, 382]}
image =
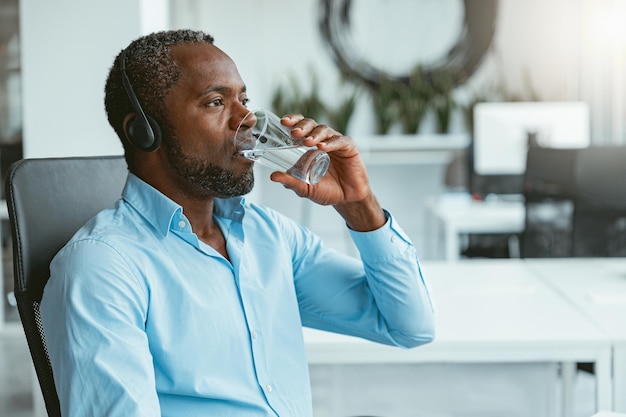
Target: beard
{"type": "Point", "coordinates": [204, 179]}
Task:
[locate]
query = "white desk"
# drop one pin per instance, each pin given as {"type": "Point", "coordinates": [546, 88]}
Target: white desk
{"type": "Point", "coordinates": [598, 288]}
{"type": "Point", "coordinates": [488, 312]}
{"type": "Point", "coordinates": [457, 214]}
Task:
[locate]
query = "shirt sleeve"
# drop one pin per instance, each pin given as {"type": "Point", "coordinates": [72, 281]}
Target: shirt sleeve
{"type": "Point", "coordinates": [93, 313]}
{"type": "Point", "coordinates": [383, 297]}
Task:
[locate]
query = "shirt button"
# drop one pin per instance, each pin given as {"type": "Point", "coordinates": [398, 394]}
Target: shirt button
{"type": "Point", "coordinates": [254, 335]}
{"type": "Point", "coordinates": [394, 238]}
{"type": "Point", "coordinates": [268, 388]}
{"type": "Point", "coordinates": [182, 224]}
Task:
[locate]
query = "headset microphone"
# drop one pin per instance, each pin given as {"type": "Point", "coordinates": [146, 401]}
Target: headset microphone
{"type": "Point", "coordinates": [142, 130]}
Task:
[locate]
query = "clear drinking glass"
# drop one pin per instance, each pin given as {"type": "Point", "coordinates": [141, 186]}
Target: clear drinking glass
{"type": "Point", "coordinates": [270, 143]}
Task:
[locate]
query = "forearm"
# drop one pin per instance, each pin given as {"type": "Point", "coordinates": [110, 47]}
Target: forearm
{"type": "Point", "coordinates": [384, 298]}
{"type": "Point", "coordinates": [396, 282]}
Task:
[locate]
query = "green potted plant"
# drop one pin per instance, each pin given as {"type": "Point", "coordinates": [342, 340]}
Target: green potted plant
{"type": "Point", "coordinates": [443, 103]}
{"type": "Point", "coordinates": [293, 99]}
{"type": "Point", "coordinates": [339, 117]}
{"type": "Point", "coordinates": [384, 105]}
{"type": "Point", "coordinates": [413, 100]}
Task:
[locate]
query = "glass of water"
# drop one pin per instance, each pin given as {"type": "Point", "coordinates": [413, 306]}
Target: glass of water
{"type": "Point", "coordinates": [271, 144]}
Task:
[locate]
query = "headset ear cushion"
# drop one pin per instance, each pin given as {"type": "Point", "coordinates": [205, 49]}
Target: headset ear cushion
{"type": "Point", "coordinates": [156, 130]}
{"type": "Point", "coordinates": [144, 134]}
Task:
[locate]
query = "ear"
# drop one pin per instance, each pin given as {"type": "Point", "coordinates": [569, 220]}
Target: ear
{"type": "Point", "coordinates": [142, 131]}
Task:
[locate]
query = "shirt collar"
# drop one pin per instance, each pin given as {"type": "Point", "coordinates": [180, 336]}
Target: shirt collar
{"type": "Point", "coordinates": [161, 212]}
{"type": "Point", "coordinates": [231, 208]}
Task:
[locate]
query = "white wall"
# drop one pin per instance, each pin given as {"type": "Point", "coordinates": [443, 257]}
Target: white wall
{"type": "Point", "coordinates": [67, 48]}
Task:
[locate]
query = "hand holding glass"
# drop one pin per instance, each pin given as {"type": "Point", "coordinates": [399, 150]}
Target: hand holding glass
{"type": "Point", "coordinates": [270, 143]}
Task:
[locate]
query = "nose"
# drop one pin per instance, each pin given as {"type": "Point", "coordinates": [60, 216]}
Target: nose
{"type": "Point", "coordinates": [244, 119]}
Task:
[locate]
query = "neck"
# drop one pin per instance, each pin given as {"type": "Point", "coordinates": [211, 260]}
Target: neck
{"type": "Point", "coordinates": [200, 216]}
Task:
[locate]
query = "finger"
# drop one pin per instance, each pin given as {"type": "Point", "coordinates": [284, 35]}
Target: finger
{"type": "Point", "coordinates": [320, 134]}
{"type": "Point", "coordinates": [299, 187]}
{"type": "Point", "coordinates": [335, 143]}
{"type": "Point", "coordinates": [290, 120]}
{"type": "Point", "coordinates": [304, 128]}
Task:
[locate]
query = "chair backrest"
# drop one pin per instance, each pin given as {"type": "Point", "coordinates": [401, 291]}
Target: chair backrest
{"type": "Point", "coordinates": [48, 201]}
{"type": "Point", "coordinates": [550, 173]}
{"type": "Point", "coordinates": [575, 202]}
{"type": "Point", "coordinates": [549, 192]}
{"type": "Point", "coordinates": [600, 213]}
{"type": "Point", "coordinates": [600, 177]}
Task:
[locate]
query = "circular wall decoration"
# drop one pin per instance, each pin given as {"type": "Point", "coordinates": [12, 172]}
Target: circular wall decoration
{"type": "Point", "coordinates": [459, 63]}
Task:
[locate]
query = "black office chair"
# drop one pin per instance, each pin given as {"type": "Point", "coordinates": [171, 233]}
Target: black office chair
{"type": "Point", "coordinates": [600, 207]}
{"type": "Point", "coordinates": [48, 200]}
{"type": "Point", "coordinates": [549, 192]}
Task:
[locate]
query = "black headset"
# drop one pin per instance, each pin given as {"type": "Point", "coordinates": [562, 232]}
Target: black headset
{"type": "Point", "coordinates": [142, 130]}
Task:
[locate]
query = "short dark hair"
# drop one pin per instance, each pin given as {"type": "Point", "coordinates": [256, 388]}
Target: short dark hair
{"type": "Point", "coordinates": [152, 71]}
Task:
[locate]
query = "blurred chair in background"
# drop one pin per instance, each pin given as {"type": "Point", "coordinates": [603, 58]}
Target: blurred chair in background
{"type": "Point", "coordinates": [575, 202]}
{"type": "Point", "coordinates": [549, 192]}
{"type": "Point", "coordinates": [600, 206]}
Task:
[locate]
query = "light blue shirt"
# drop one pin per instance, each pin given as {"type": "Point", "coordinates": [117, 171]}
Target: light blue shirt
{"type": "Point", "coordinates": [143, 319]}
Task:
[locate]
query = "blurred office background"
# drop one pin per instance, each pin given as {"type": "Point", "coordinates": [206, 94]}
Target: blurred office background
{"type": "Point", "coordinates": [546, 71]}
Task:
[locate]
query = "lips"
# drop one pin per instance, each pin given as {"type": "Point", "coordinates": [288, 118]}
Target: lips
{"type": "Point", "coordinates": [244, 141]}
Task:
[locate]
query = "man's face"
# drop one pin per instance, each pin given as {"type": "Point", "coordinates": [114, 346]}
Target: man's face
{"type": "Point", "coordinates": [204, 109]}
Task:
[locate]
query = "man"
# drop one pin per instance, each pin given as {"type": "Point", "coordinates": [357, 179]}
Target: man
{"type": "Point", "coordinates": [185, 300]}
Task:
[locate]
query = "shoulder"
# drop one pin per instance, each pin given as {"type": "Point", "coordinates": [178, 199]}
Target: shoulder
{"type": "Point", "coordinates": [100, 260]}
{"type": "Point", "coordinates": [106, 239]}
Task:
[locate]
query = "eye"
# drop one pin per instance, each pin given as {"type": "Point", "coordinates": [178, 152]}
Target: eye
{"type": "Point", "coordinates": [215, 103]}
{"type": "Point", "coordinates": [245, 101]}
